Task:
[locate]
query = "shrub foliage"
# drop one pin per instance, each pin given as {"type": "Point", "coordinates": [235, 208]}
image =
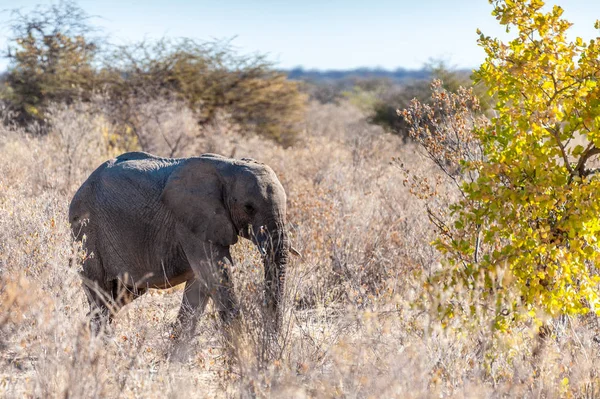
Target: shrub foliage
{"type": "Point", "coordinates": [527, 221]}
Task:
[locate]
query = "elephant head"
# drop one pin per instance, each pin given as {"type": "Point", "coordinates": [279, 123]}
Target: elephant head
{"type": "Point", "coordinates": [257, 204]}
{"type": "Point", "coordinates": [220, 199]}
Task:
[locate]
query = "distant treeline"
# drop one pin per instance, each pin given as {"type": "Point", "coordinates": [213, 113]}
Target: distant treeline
{"type": "Point", "coordinates": [399, 75]}
{"type": "Point", "coordinates": [378, 92]}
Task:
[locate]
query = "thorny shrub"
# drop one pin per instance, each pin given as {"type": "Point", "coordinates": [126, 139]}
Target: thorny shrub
{"type": "Point", "coordinates": [444, 128]}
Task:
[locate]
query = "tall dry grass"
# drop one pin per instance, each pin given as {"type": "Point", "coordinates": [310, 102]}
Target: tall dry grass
{"type": "Point", "coordinates": [354, 322]}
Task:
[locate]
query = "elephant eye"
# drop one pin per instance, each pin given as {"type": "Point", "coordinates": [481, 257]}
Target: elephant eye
{"type": "Point", "coordinates": [249, 209]}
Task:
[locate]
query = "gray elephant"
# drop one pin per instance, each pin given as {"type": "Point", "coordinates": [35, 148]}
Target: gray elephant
{"type": "Point", "coordinates": [151, 222]}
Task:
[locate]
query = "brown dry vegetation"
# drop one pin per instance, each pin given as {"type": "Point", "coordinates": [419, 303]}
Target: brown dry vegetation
{"type": "Point", "coordinates": [354, 324]}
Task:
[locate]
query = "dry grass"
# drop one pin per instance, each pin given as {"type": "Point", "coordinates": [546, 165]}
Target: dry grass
{"type": "Point", "coordinates": [351, 327]}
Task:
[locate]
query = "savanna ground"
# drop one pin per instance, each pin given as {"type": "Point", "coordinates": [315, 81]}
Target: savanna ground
{"type": "Point", "coordinates": [355, 324]}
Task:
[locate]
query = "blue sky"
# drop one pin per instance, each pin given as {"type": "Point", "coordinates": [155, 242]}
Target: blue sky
{"type": "Point", "coordinates": [325, 34]}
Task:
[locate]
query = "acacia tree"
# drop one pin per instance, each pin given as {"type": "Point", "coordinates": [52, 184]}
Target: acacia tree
{"type": "Point", "coordinates": [528, 220]}
{"type": "Point", "coordinates": [51, 55]}
{"type": "Point", "coordinates": [210, 78]}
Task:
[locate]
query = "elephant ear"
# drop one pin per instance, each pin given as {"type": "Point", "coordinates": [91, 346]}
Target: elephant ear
{"type": "Point", "coordinates": [194, 193]}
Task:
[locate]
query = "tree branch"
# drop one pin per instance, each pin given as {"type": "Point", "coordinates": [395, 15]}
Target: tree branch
{"type": "Point", "coordinates": [554, 132]}
{"type": "Point", "coordinates": [590, 151]}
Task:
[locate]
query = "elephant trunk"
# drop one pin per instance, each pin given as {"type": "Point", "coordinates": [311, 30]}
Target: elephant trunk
{"type": "Point", "coordinates": [275, 262]}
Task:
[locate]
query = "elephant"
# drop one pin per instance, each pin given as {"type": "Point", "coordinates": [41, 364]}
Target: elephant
{"type": "Point", "coordinates": [152, 222]}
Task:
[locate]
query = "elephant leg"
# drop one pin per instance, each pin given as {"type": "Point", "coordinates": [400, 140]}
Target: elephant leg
{"type": "Point", "coordinates": [195, 297]}
{"type": "Point", "coordinates": [211, 264]}
{"type": "Point", "coordinates": [224, 295]}
{"type": "Point", "coordinates": [98, 293]}
{"type": "Point", "coordinates": [225, 301]}
{"type": "Point", "coordinates": [100, 314]}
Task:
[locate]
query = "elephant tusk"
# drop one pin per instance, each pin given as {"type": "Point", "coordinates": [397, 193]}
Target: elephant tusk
{"type": "Point", "coordinates": [262, 250]}
{"type": "Point", "coordinates": [295, 252]}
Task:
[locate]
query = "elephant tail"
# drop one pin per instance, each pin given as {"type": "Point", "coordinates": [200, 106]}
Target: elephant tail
{"type": "Point", "coordinates": [78, 215]}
